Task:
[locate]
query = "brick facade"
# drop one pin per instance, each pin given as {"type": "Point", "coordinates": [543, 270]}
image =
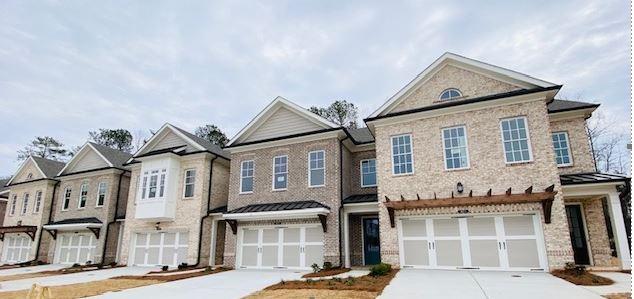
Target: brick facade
{"type": "Point", "coordinates": [579, 144]}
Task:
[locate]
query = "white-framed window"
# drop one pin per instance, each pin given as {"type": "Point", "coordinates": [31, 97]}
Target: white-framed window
{"type": "Point", "coordinates": [280, 172]}
{"type": "Point", "coordinates": [14, 203]}
{"type": "Point", "coordinates": [67, 193]}
{"type": "Point", "coordinates": [402, 160]}
{"type": "Point", "coordinates": [517, 148]}
{"type": "Point", "coordinates": [449, 93]}
{"type": "Point", "coordinates": [368, 173]}
{"type": "Point", "coordinates": [25, 204]}
{"type": "Point", "coordinates": [38, 201]}
{"type": "Point", "coordinates": [29, 176]}
{"type": "Point", "coordinates": [562, 149]}
{"type": "Point", "coordinates": [189, 183]}
{"type": "Point", "coordinates": [101, 193]}
{"type": "Point", "coordinates": [153, 185]}
{"type": "Point", "coordinates": [247, 169]}
{"type": "Point", "coordinates": [317, 168]}
{"type": "Point", "coordinates": [455, 147]}
{"type": "Point", "coordinates": [83, 195]}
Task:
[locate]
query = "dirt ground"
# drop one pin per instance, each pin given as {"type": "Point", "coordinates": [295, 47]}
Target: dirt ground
{"type": "Point", "coordinates": [315, 294]}
{"type": "Point", "coordinates": [586, 278]}
{"type": "Point", "coordinates": [619, 296]}
{"type": "Point", "coordinates": [329, 272]}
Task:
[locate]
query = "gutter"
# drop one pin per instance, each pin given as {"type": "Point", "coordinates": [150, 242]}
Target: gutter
{"type": "Point", "coordinates": [50, 216]}
{"type": "Point", "coordinates": [202, 220]}
{"type": "Point", "coordinates": [114, 219]}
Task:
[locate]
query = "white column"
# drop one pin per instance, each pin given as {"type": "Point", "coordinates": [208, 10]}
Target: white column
{"type": "Point", "coordinates": [346, 238]}
{"type": "Point", "coordinates": [618, 229]}
{"type": "Point", "coordinates": [212, 248]}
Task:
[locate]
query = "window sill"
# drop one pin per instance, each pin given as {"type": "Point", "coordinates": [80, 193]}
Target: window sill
{"type": "Point", "coordinates": [565, 165]}
{"type": "Point", "coordinates": [313, 187]}
{"type": "Point", "coordinates": [368, 186]}
{"type": "Point", "coordinates": [457, 169]}
{"type": "Point", "coordinates": [402, 175]}
{"type": "Point", "coordinates": [188, 198]}
{"type": "Point", "coordinates": [245, 193]}
{"type": "Point", "coordinates": [278, 190]}
{"type": "Point", "coordinates": [519, 163]}
{"type": "Point", "coordinates": [98, 207]}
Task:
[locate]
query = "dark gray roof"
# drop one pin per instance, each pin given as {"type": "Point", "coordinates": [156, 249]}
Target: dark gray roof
{"type": "Point", "coordinates": [77, 221]}
{"type": "Point", "coordinates": [361, 135]}
{"type": "Point", "coordinates": [590, 178]}
{"type": "Point", "coordinates": [222, 209]}
{"type": "Point", "coordinates": [50, 167]}
{"type": "Point", "coordinates": [279, 206]}
{"type": "Point", "coordinates": [565, 105]}
{"type": "Point", "coordinates": [3, 187]}
{"type": "Point", "coordinates": [358, 198]}
{"type": "Point", "coordinates": [116, 157]}
{"type": "Point", "coordinates": [214, 148]}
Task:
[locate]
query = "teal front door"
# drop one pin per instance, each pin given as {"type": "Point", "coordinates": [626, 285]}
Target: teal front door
{"type": "Point", "coordinates": [371, 244]}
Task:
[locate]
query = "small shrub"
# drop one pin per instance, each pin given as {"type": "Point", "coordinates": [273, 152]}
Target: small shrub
{"type": "Point", "coordinates": [209, 269]}
{"type": "Point", "coordinates": [315, 268]}
{"type": "Point", "coordinates": [282, 282]}
{"type": "Point", "coordinates": [113, 264]}
{"type": "Point", "coordinates": [327, 266]}
{"type": "Point", "coordinates": [76, 265]}
{"type": "Point", "coordinates": [576, 270]}
{"type": "Point", "coordinates": [309, 281]}
{"type": "Point", "coordinates": [337, 279]}
{"type": "Point", "coordinates": [182, 266]}
{"type": "Point", "coordinates": [350, 281]}
{"type": "Point", "coordinates": [380, 269]}
{"type": "Point", "coordinates": [99, 266]}
{"type": "Point", "coordinates": [88, 263]}
{"type": "Point", "coordinates": [164, 268]}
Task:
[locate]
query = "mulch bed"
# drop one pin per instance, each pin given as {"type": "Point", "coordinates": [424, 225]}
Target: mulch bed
{"type": "Point", "coordinates": [166, 278]}
{"type": "Point", "coordinates": [329, 272]}
{"type": "Point", "coordinates": [363, 283]}
{"type": "Point", "coordinates": [585, 278]}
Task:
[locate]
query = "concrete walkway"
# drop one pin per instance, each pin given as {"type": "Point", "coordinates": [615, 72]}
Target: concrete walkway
{"type": "Point", "coordinates": [622, 283]}
{"type": "Point", "coordinates": [229, 284]}
{"type": "Point", "coordinates": [344, 275]}
{"type": "Point", "coordinates": [32, 269]}
{"type": "Point", "coordinates": [445, 284]}
{"type": "Point", "coordinates": [65, 279]}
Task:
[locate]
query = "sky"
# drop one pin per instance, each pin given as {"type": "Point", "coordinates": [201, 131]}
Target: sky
{"type": "Point", "coordinates": [69, 67]}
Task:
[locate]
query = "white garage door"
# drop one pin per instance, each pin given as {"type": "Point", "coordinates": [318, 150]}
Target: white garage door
{"type": "Point", "coordinates": [506, 242]}
{"type": "Point", "coordinates": [161, 248]}
{"type": "Point", "coordinates": [281, 247]}
{"type": "Point", "coordinates": [16, 249]}
{"type": "Point", "coordinates": [75, 248]}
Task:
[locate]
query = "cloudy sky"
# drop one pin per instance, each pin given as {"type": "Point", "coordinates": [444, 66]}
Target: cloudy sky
{"type": "Point", "coordinates": [69, 67]}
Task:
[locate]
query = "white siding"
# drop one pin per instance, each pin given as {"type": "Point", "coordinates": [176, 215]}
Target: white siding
{"type": "Point", "coordinates": [281, 123]}
{"type": "Point", "coordinates": [24, 172]}
{"type": "Point", "coordinates": [89, 160]}
{"type": "Point", "coordinates": [169, 140]}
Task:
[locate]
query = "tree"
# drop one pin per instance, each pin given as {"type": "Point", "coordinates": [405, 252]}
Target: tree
{"type": "Point", "coordinates": [342, 113]}
{"type": "Point", "coordinates": [213, 134]}
{"type": "Point", "coordinates": [44, 147]}
{"type": "Point", "coordinates": [119, 139]}
{"type": "Point", "coordinates": [608, 148]}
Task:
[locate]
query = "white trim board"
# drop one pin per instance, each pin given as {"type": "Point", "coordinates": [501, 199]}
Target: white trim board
{"type": "Point", "coordinates": [22, 166]}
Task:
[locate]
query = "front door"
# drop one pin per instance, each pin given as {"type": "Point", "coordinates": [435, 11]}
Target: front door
{"type": "Point", "coordinates": [577, 234]}
{"type": "Point", "coordinates": [371, 244]}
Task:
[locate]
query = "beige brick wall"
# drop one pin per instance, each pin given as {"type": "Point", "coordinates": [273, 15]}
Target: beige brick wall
{"type": "Point", "coordinates": [469, 83]}
{"type": "Point", "coordinates": [356, 240]}
{"type": "Point", "coordinates": [355, 173]}
{"type": "Point", "coordinates": [579, 144]}
{"type": "Point", "coordinates": [487, 169]}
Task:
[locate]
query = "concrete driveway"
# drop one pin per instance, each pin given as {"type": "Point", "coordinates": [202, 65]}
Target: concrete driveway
{"type": "Point", "coordinates": [65, 279]}
{"type": "Point", "coordinates": [228, 284]}
{"type": "Point", "coordinates": [31, 269]}
{"type": "Point", "coordinates": [444, 284]}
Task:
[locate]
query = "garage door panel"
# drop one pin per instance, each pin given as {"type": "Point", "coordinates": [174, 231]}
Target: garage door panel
{"type": "Point", "coordinates": [250, 236]}
{"type": "Point", "coordinates": [481, 226]}
{"type": "Point", "coordinates": [163, 248]}
{"type": "Point", "coordinates": [414, 227]}
{"type": "Point", "coordinates": [291, 255]}
{"type": "Point", "coordinates": [314, 234]}
{"type": "Point", "coordinates": [291, 235]}
{"type": "Point", "coordinates": [449, 253]}
{"type": "Point", "coordinates": [522, 253]}
{"type": "Point", "coordinates": [484, 253]}
{"type": "Point", "coordinates": [446, 227]}
{"type": "Point", "coordinates": [168, 255]}
{"type": "Point", "coordinates": [291, 247]}
{"type": "Point", "coordinates": [314, 255]}
{"type": "Point", "coordinates": [269, 256]}
{"type": "Point", "coordinates": [249, 256]}
{"type": "Point", "coordinates": [519, 225]}
{"type": "Point", "coordinates": [416, 252]}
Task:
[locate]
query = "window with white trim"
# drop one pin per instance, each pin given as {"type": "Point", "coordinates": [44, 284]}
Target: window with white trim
{"type": "Point", "coordinates": [38, 201]}
{"type": "Point", "coordinates": [153, 184]}
{"type": "Point", "coordinates": [515, 139]}
{"type": "Point", "coordinates": [101, 193]}
{"type": "Point", "coordinates": [190, 180]}
{"type": "Point", "coordinates": [368, 173]}
{"type": "Point", "coordinates": [14, 203]}
{"type": "Point", "coordinates": [455, 148]}
{"type": "Point", "coordinates": [67, 193]}
{"type": "Point", "coordinates": [246, 176]}
{"type": "Point", "coordinates": [83, 195]}
{"type": "Point", "coordinates": [25, 204]}
{"type": "Point", "coordinates": [562, 149]}
{"type": "Point", "coordinates": [29, 176]}
{"type": "Point", "coordinates": [402, 154]}
{"type": "Point", "coordinates": [316, 168]}
{"type": "Point", "coordinates": [280, 172]}
{"type": "Point", "coordinates": [450, 93]}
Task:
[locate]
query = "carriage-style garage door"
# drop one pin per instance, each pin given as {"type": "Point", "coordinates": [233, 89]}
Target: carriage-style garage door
{"type": "Point", "coordinates": [75, 248]}
{"type": "Point", "coordinates": [275, 247]}
{"type": "Point", "coordinates": [161, 248]}
{"type": "Point", "coordinates": [504, 242]}
{"type": "Point", "coordinates": [16, 249]}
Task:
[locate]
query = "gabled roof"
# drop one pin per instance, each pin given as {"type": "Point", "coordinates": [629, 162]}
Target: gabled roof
{"type": "Point", "coordinates": [565, 105]}
{"type": "Point", "coordinates": [4, 190]}
{"type": "Point", "coordinates": [200, 144]}
{"type": "Point", "coordinates": [47, 168]}
{"type": "Point", "coordinates": [273, 107]}
{"type": "Point", "coordinates": [361, 135]}
{"type": "Point", "coordinates": [516, 78]}
{"type": "Point", "coordinates": [111, 157]}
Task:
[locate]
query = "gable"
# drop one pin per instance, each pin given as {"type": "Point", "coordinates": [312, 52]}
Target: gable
{"type": "Point", "coordinates": [167, 138]}
{"type": "Point", "coordinates": [471, 84]}
{"type": "Point", "coordinates": [23, 173]}
{"type": "Point", "coordinates": [87, 159]}
{"type": "Point", "coordinates": [283, 122]}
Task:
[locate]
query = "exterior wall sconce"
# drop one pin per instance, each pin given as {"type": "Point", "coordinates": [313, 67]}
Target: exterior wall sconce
{"type": "Point", "coordinates": [459, 187]}
{"type": "Point", "coordinates": [157, 226]}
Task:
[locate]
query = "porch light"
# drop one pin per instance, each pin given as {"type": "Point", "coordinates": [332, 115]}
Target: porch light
{"type": "Point", "coordinates": [157, 226]}
{"type": "Point", "coordinates": [459, 187]}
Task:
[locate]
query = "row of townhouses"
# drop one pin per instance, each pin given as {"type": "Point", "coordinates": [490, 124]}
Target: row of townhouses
{"type": "Point", "coordinates": [469, 166]}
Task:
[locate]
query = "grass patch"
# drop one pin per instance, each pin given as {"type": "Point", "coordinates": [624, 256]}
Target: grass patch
{"type": "Point", "coordinates": [314, 293]}
{"type": "Point", "coordinates": [583, 278]}
{"type": "Point", "coordinates": [326, 272]}
{"type": "Point", "coordinates": [365, 283]}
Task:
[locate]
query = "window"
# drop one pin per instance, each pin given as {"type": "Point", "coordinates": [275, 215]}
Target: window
{"type": "Point", "coordinates": [455, 145]}
{"type": "Point", "coordinates": [67, 194]}
{"type": "Point", "coordinates": [153, 184]}
{"type": "Point", "coordinates": [101, 193]}
{"type": "Point", "coordinates": [402, 154]}
{"type": "Point", "coordinates": [83, 195]}
{"type": "Point", "coordinates": [14, 203]}
{"type": "Point", "coordinates": [246, 176]}
{"type": "Point", "coordinates": [368, 173]}
{"type": "Point", "coordinates": [515, 138]}
{"type": "Point", "coordinates": [562, 149]}
{"type": "Point", "coordinates": [190, 179]}
{"type": "Point", "coordinates": [25, 203]}
{"type": "Point", "coordinates": [280, 172]}
{"type": "Point", "coordinates": [38, 202]}
{"type": "Point", "coordinates": [29, 176]}
{"type": "Point", "coordinates": [316, 168]}
{"type": "Point", "coordinates": [449, 94]}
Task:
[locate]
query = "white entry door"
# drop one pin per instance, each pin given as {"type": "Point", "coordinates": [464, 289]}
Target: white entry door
{"type": "Point", "coordinates": [16, 249]}
{"type": "Point", "coordinates": [75, 248]}
{"type": "Point", "coordinates": [281, 247]}
{"type": "Point", "coordinates": [504, 242]}
{"type": "Point", "coordinates": [160, 249]}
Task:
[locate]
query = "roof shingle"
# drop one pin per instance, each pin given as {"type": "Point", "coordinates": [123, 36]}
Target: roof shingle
{"type": "Point", "coordinates": [279, 206]}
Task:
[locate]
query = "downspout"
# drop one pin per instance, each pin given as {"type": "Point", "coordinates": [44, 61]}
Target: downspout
{"type": "Point", "coordinates": [202, 220]}
{"type": "Point", "coordinates": [114, 219]}
{"type": "Point", "coordinates": [50, 217]}
{"type": "Point", "coordinates": [341, 263]}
